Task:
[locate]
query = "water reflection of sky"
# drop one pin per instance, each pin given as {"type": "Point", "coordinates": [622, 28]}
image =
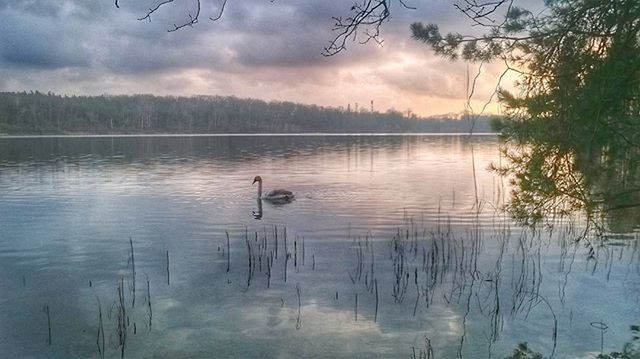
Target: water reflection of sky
{"type": "Point", "coordinates": [337, 180]}
{"type": "Point", "coordinates": [69, 205]}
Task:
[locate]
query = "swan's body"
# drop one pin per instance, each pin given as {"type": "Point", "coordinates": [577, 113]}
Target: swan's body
{"type": "Point", "coordinates": [276, 195]}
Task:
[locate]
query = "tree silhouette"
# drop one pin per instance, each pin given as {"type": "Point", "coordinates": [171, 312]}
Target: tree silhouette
{"type": "Point", "coordinates": [573, 134]}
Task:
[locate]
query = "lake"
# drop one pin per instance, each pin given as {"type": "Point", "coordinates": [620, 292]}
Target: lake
{"type": "Point", "coordinates": [395, 246]}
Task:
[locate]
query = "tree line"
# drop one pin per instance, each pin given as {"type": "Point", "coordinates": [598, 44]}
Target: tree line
{"type": "Point", "coordinates": [40, 113]}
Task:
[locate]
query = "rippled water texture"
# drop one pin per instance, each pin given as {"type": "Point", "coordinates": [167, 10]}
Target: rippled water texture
{"type": "Point", "coordinates": [118, 246]}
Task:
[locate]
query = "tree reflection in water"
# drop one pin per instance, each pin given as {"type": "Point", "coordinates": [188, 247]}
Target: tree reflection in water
{"type": "Point", "coordinates": [555, 177]}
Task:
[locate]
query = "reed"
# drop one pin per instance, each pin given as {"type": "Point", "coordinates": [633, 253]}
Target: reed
{"type": "Point", "coordinates": [355, 309]}
{"type": "Point", "coordinates": [286, 262]}
{"type": "Point", "coordinates": [228, 253]}
{"type": "Point", "coordinates": [359, 261]}
{"type": "Point", "coordinates": [443, 265]}
{"type": "Point", "coordinates": [148, 302]}
{"type": "Point", "coordinates": [299, 318]}
{"type": "Point", "coordinates": [269, 261]}
{"type": "Point", "coordinates": [602, 327]}
{"type": "Point", "coordinates": [400, 266]}
{"type": "Point", "coordinates": [168, 271]}
{"type": "Point", "coordinates": [122, 320]}
{"type": "Point", "coordinates": [48, 313]}
{"type": "Point", "coordinates": [426, 353]}
{"type": "Point", "coordinates": [251, 266]}
{"type": "Point", "coordinates": [415, 279]}
{"type": "Point", "coordinates": [100, 341]}
{"type": "Point", "coordinates": [275, 233]}
{"type": "Point", "coordinates": [264, 238]}
{"type": "Point", "coordinates": [132, 261]}
{"type": "Point", "coordinates": [370, 276]}
{"type": "Point", "coordinates": [375, 317]}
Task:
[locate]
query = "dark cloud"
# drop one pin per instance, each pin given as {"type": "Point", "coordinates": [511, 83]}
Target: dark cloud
{"type": "Point", "coordinates": [280, 34]}
{"type": "Point", "coordinates": [252, 33]}
{"type": "Point", "coordinates": [258, 47]}
{"type": "Point", "coordinates": [286, 48]}
{"type": "Point", "coordinates": [37, 42]}
{"type": "Point", "coordinates": [41, 8]}
{"type": "Point", "coordinates": [60, 9]}
{"type": "Point", "coordinates": [140, 55]}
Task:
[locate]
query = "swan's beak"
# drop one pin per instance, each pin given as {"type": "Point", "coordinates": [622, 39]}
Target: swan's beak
{"type": "Point", "coordinates": [254, 181]}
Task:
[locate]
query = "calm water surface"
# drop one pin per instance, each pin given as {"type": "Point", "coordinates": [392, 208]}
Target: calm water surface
{"type": "Point", "coordinates": [403, 216]}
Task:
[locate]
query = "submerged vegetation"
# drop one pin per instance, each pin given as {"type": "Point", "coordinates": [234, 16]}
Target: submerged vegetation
{"type": "Point", "coordinates": [630, 350]}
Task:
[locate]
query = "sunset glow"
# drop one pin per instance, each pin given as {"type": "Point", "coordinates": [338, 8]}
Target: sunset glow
{"type": "Point", "coordinates": [269, 51]}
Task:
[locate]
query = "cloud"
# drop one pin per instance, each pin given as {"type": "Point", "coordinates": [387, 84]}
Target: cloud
{"type": "Point", "coordinates": [428, 79]}
{"type": "Point", "coordinates": [39, 42]}
{"type": "Point", "coordinates": [269, 50]}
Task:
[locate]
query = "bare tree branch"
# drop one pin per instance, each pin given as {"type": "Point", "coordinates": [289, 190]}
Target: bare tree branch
{"type": "Point", "coordinates": [368, 14]}
{"type": "Point", "coordinates": [193, 19]}
{"type": "Point", "coordinates": [224, 3]}
{"type": "Point", "coordinates": [365, 19]}
{"type": "Point", "coordinates": [479, 12]}
{"type": "Point", "coordinates": [154, 9]}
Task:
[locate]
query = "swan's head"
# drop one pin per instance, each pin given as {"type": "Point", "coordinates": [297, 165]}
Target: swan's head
{"type": "Point", "coordinates": [257, 179]}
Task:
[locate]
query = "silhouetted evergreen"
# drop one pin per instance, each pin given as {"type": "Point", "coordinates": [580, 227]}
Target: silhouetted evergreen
{"type": "Point", "coordinates": [571, 134]}
{"type": "Point", "coordinates": [38, 113]}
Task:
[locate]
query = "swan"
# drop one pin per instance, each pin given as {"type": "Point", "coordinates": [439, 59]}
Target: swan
{"type": "Point", "coordinates": [276, 196]}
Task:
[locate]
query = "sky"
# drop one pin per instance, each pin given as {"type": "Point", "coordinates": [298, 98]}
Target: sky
{"type": "Point", "coordinates": [270, 50]}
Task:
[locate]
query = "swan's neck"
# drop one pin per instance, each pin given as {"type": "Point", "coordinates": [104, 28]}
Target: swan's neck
{"type": "Point", "coordinates": [259, 189]}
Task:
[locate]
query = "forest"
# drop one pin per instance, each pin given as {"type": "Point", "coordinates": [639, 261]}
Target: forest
{"type": "Point", "coordinates": [23, 113]}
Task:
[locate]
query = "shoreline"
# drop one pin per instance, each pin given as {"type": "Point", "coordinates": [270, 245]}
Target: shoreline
{"type": "Point", "coordinates": [298, 134]}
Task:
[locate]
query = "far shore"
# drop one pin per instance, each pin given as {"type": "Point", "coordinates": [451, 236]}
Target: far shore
{"type": "Point", "coordinates": [75, 135]}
